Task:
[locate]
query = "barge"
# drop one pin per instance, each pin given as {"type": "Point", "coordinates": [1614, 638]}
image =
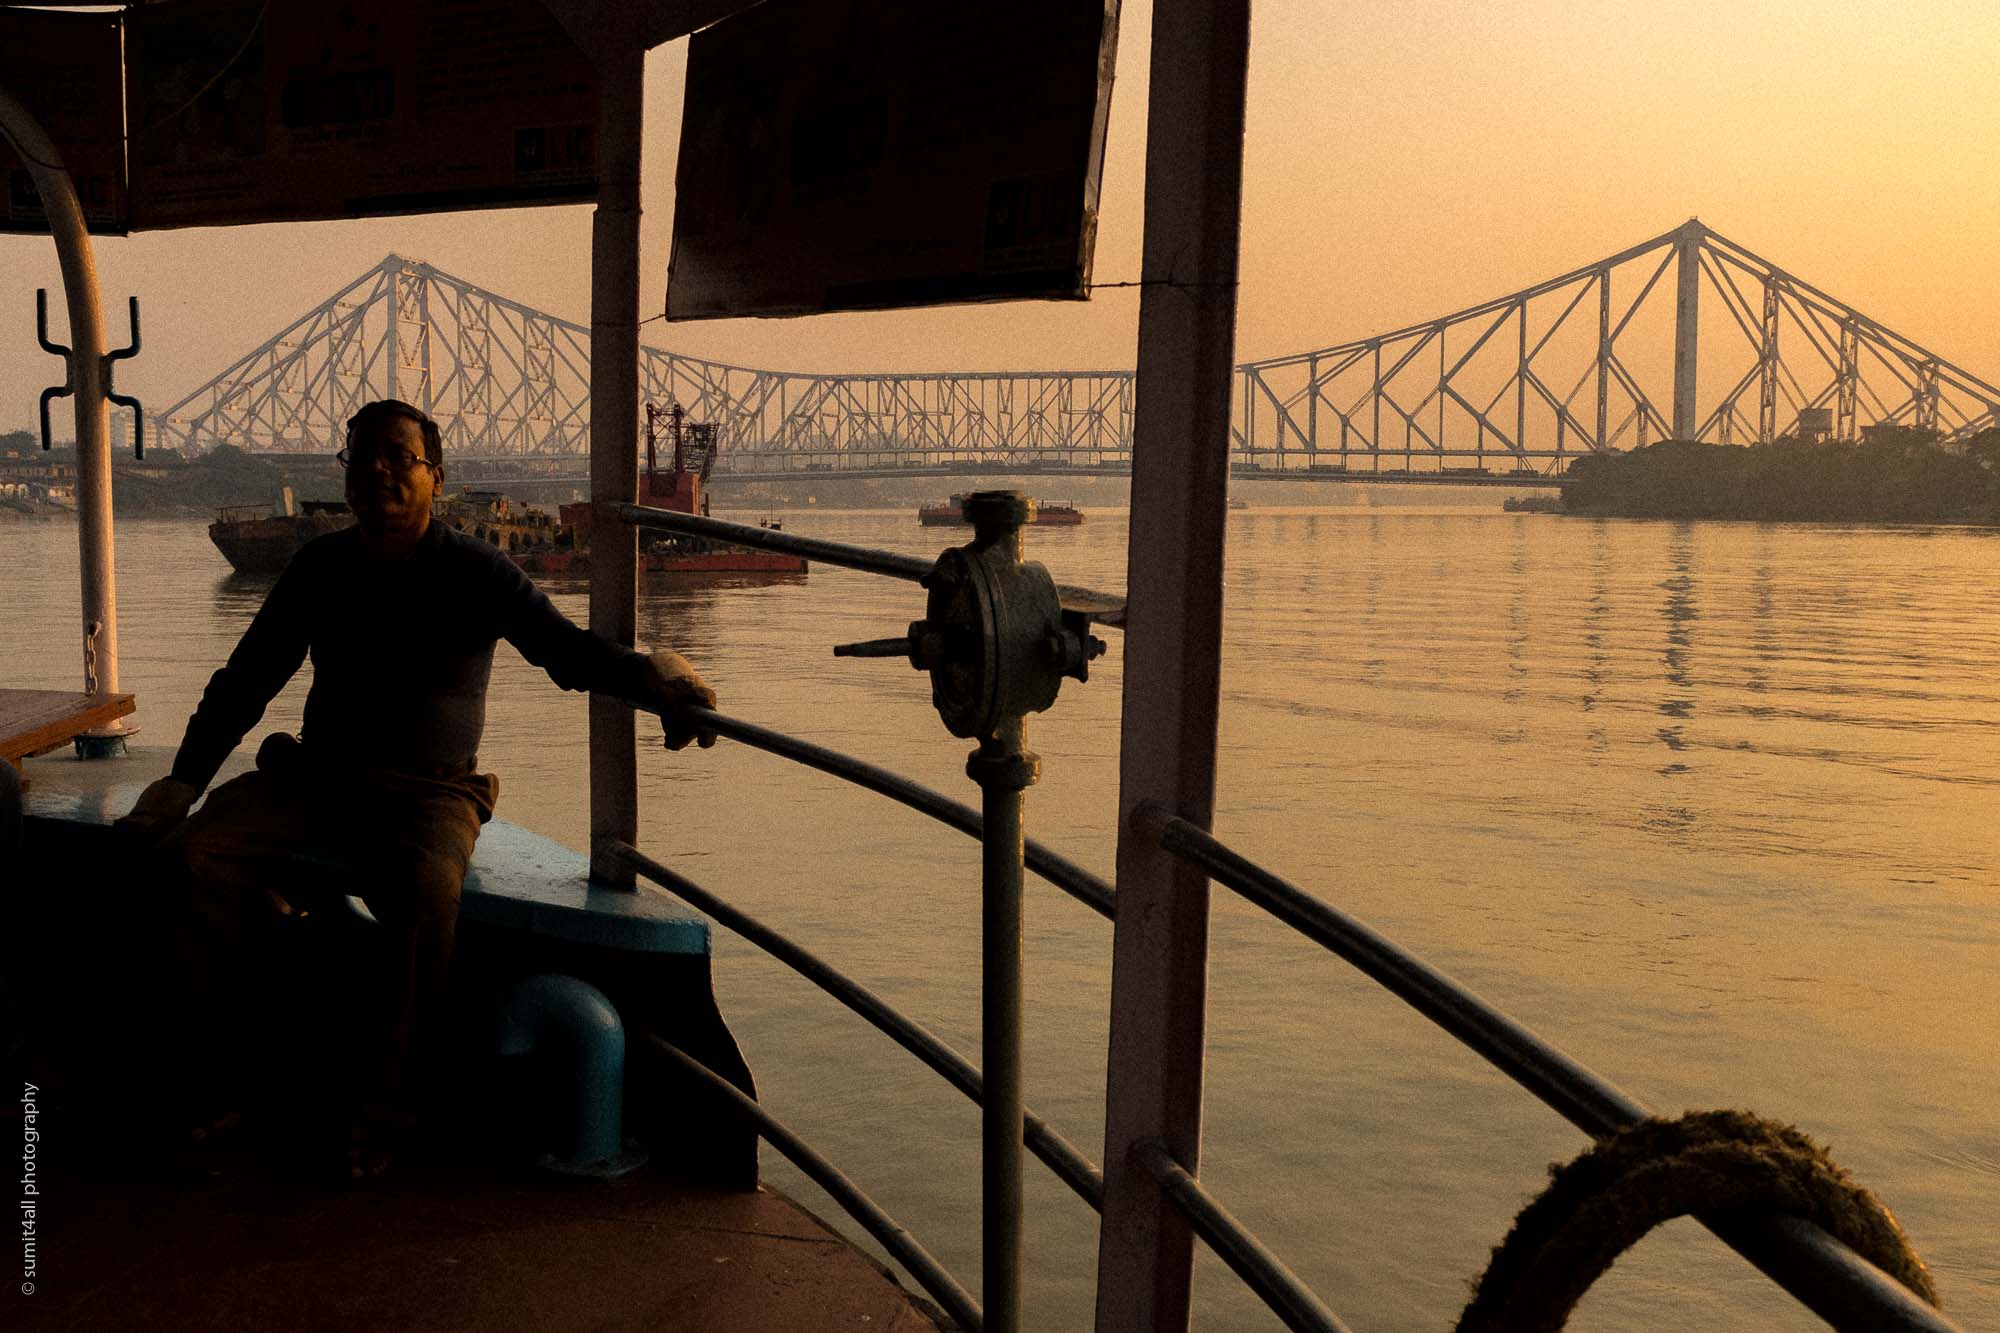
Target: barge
{"type": "Point", "coordinates": [260, 539]}
{"type": "Point", "coordinates": [681, 488]}
{"type": "Point", "coordinates": [950, 513]}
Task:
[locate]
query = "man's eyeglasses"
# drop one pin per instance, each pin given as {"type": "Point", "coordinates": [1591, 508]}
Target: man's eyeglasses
{"type": "Point", "coordinates": [399, 460]}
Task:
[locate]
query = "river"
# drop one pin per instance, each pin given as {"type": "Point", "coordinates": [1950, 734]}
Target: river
{"type": "Point", "coordinates": [1711, 806]}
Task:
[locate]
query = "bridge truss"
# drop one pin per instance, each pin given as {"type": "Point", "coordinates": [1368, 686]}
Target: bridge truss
{"type": "Point", "coordinates": [1686, 335]}
{"type": "Point", "coordinates": [509, 382]}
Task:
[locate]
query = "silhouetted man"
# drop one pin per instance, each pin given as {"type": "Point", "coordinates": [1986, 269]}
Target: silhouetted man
{"type": "Point", "coordinates": [380, 795]}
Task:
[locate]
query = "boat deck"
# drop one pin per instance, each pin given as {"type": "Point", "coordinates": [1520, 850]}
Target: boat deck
{"type": "Point", "coordinates": [262, 1235]}
{"type": "Point", "coordinates": [239, 1249]}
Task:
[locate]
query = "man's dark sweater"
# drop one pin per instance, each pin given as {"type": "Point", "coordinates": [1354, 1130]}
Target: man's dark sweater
{"type": "Point", "coordinates": [401, 651]}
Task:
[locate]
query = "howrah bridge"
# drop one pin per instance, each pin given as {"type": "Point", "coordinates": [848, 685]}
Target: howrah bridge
{"type": "Point", "coordinates": [1687, 335]}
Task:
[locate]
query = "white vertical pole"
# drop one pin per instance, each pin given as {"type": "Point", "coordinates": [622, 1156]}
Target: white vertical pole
{"type": "Point", "coordinates": [1173, 641]}
{"type": "Point", "coordinates": [614, 439]}
{"type": "Point", "coordinates": [93, 421]}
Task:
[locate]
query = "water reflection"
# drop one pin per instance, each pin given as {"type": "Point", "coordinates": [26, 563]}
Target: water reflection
{"type": "Point", "coordinates": [1518, 664]}
{"type": "Point", "coordinates": [1816, 899]}
{"type": "Point", "coordinates": [1678, 609]}
{"type": "Point", "coordinates": [1763, 627]}
{"type": "Point", "coordinates": [233, 590]}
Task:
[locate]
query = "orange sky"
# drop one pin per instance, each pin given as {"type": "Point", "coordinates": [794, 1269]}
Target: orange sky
{"type": "Point", "coordinates": [1405, 157]}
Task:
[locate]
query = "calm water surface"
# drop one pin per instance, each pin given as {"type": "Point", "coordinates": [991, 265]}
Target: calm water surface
{"type": "Point", "coordinates": [1712, 806]}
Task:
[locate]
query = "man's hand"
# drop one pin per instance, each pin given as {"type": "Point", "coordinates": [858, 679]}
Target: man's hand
{"type": "Point", "coordinates": [672, 685]}
{"type": "Point", "coordinates": [162, 805]}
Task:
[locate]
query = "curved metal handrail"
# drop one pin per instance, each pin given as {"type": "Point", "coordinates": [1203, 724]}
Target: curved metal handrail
{"type": "Point", "coordinates": [894, 1237]}
{"type": "Point", "coordinates": [1261, 1270]}
{"type": "Point", "coordinates": [1057, 869]}
{"type": "Point", "coordinates": [1830, 1279]}
{"type": "Point", "coordinates": [1826, 1276]}
{"type": "Point", "coordinates": [1055, 1151]}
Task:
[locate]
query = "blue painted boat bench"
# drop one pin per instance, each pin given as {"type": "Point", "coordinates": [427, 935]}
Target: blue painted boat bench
{"type": "Point", "coordinates": [524, 881]}
{"type": "Point", "coordinates": [528, 911]}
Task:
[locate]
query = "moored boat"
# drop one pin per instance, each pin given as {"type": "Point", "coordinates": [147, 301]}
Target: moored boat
{"type": "Point", "coordinates": [682, 489]}
{"type": "Point", "coordinates": [948, 513]}
{"type": "Point", "coordinates": [260, 539]}
{"type": "Point", "coordinates": [569, 555]}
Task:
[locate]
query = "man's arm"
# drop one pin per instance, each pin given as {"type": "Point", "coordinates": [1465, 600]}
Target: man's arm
{"type": "Point", "coordinates": [267, 655]}
{"type": "Point", "coordinates": [576, 659]}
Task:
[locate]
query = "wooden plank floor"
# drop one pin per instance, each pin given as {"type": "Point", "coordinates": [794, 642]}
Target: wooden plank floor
{"type": "Point", "coordinates": [34, 722]}
{"type": "Point", "coordinates": [246, 1251]}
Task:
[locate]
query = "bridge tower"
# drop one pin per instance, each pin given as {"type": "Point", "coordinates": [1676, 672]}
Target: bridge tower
{"type": "Point", "coordinates": [1687, 327]}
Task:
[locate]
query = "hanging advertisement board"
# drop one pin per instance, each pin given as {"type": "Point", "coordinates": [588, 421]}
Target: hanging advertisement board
{"type": "Point", "coordinates": [869, 154]}
{"type": "Point", "coordinates": [64, 69]}
{"type": "Point", "coordinates": [243, 111]}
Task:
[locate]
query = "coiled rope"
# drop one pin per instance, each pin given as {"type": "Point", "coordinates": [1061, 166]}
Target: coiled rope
{"type": "Point", "coordinates": [1600, 1204]}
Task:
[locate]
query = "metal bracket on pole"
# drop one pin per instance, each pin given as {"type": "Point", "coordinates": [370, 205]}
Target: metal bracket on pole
{"type": "Point", "coordinates": [126, 353]}
{"type": "Point", "coordinates": [55, 349]}
{"type": "Point", "coordinates": [996, 639]}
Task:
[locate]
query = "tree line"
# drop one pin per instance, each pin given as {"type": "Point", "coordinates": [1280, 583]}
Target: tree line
{"type": "Point", "coordinates": [1894, 474]}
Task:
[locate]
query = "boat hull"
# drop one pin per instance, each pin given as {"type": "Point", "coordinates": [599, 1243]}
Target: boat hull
{"type": "Point", "coordinates": [1046, 516]}
{"type": "Point", "coordinates": [266, 545]}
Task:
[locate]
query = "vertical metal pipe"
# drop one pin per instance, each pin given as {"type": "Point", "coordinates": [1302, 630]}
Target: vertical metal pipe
{"type": "Point", "coordinates": [93, 420]}
{"type": "Point", "coordinates": [614, 441]}
{"type": "Point", "coordinates": [1003, 771]}
{"type": "Point", "coordinates": [1173, 643]}
{"type": "Point", "coordinates": [1687, 309]}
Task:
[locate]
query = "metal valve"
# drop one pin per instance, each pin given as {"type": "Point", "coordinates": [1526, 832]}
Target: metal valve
{"type": "Point", "coordinates": [994, 637]}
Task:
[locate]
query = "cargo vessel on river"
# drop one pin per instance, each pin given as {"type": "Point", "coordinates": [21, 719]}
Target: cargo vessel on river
{"type": "Point", "coordinates": [681, 488]}
{"type": "Point", "coordinates": [257, 540]}
{"type": "Point", "coordinates": [951, 513]}
{"type": "Point", "coordinates": [260, 539]}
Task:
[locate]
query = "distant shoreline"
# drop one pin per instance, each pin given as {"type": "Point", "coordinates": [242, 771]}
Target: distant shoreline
{"type": "Point", "coordinates": [1895, 475]}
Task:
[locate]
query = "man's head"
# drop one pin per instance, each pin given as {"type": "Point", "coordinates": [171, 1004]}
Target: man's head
{"type": "Point", "coordinates": [395, 467]}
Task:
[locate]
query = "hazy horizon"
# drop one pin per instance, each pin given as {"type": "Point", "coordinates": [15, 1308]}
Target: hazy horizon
{"type": "Point", "coordinates": [1403, 160]}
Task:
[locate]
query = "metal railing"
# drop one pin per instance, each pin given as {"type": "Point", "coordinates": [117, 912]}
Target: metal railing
{"type": "Point", "coordinates": [1823, 1273]}
{"type": "Point", "coordinates": [1061, 1156]}
{"type": "Point", "coordinates": [1002, 770]}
